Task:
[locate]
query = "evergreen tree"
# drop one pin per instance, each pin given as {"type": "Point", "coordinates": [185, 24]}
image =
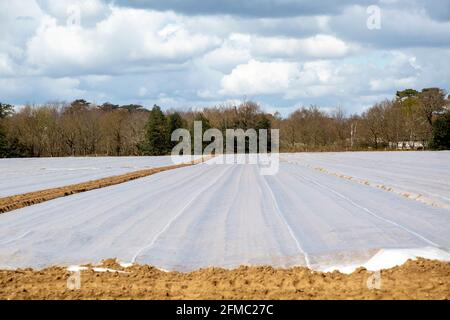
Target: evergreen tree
{"type": "Point", "coordinates": [3, 145]}
{"type": "Point", "coordinates": [5, 110]}
{"type": "Point", "coordinates": [441, 133]}
{"type": "Point", "coordinates": [264, 123]}
{"type": "Point", "coordinates": [157, 136]}
{"type": "Point", "coordinates": [133, 108]}
{"type": "Point", "coordinates": [174, 122]}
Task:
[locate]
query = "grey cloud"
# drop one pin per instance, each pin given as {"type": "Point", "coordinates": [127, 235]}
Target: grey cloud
{"type": "Point", "coordinates": [399, 29]}
{"type": "Point", "coordinates": [91, 11]}
{"type": "Point", "coordinates": [252, 8]}
{"type": "Point", "coordinates": [437, 9]}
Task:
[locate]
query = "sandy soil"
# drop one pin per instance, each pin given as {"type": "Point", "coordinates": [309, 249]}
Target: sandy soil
{"type": "Point", "coordinates": [418, 279]}
{"type": "Point", "coordinates": [28, 199]}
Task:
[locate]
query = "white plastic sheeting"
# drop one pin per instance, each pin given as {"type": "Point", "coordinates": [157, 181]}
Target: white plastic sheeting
{"type": "Point", "coordinates": [226, 216]}
{"type": "Point", "coordinates": [422, 176]}
{"type": "Point", "coordinates": [26, 175]}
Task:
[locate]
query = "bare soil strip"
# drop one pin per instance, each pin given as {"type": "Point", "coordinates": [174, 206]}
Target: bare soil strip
{"type": "Point", "coordinates": [28, 199]}
{"type": "Point", "coordinates": [418, 279]}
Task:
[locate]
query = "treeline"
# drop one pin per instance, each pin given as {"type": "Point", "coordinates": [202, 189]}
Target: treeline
{"type": "Point", "coordinates": [412, 120]}
{"type": "Point", "coordinates": [81, 128]}
{"type": "Point", "coordinates": [74, 129]}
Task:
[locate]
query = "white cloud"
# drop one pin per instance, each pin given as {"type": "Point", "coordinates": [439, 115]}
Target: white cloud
{"type": "Point", "coordinates": [234, 50]}
{"type": "Point", "coordinates": [325, 46]}
{"type": "Point", "coordinates": [55, 46]}
{"type": "Point", "coordinates": [289, 79]}
{"type": "Point", "coordinates": [319, 46]}
{"type": "Point", "coordinates": [258, 77]}
{"type": "Point", "coordinates": [127, 39]}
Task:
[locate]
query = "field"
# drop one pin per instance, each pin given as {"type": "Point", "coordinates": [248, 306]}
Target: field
{"type": "Point", "coordinates": [321, 211]}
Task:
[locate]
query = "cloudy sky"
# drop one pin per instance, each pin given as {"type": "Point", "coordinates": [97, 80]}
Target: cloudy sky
{"type": "Point", "coordinates": [192, 53]}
